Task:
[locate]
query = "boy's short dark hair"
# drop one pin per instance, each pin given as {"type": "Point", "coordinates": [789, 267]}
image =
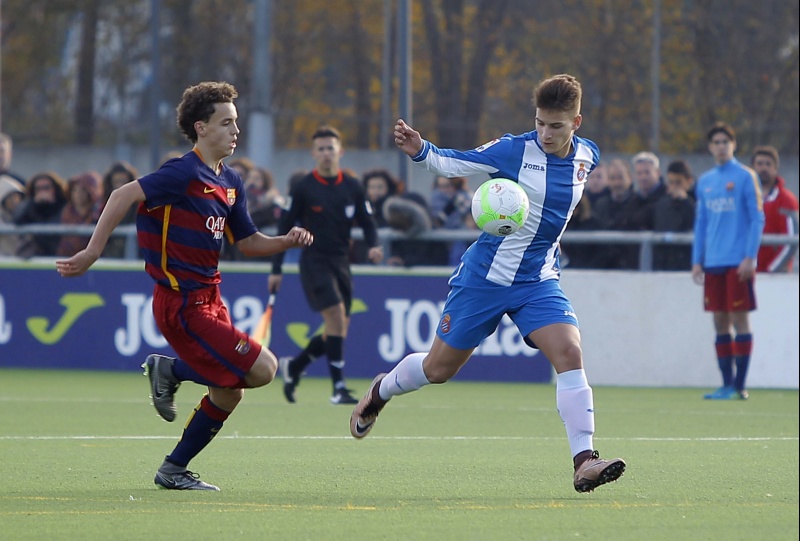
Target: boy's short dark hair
{"type": "Point", "coordinates": [326, 131]}
{"type": "Point", "coordinates": [722, 127]}
{"type": "Point", "coordinates": [680, 167]}
{"type": "Point", "coordinates": [558, 93]}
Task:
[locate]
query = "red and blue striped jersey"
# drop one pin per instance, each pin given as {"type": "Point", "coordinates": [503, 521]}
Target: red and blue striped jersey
{"type": "Point", "coordinates": [180, 225]}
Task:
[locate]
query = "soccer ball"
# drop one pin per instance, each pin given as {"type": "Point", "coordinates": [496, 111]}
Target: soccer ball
{"type": "Point", "coordinates": [500, 207]}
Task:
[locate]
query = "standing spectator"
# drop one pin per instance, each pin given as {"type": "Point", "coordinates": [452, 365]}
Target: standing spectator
{"type": "Point", "coordinates": [727, 232]}
{"type": "Point", "coordinates": [614, 212]}
{"type": "Point", "coordinates": [675, 212]}
{"type": "Point", "coordinates": [241, 165]}
{"type": "Point", "coordinates": [326, 202]}
{"type": "Point", "coordinates": [6, 153]}
{"type": "Point", "coordinates": [597, 183]}
{"type": "Point", "coordinates": [264, 203]}
{"type": "Point", "coordinates": [780, 211]}
{"type": "Point", "coordinates": [119, 174]}
{"type": "Point", "coordinates": [264, 200]}
{"type": "Point", "coordinates": [11, 194]}
{"type": "Point", "coordinates": [185, 208]}
{"type": "Point", "coordinates": [582, 255]}
{"type": "Point", "coordinates": [379, 184]}
{"type": "Point", "coordinates": [649, 188]}
{"type": "Point", "coordinates": [451, 203]}
{"type": "Point", "coordinates": [408, 213]}
{"type": "Point", "coordinates": [517, 276]}
{"type": "Point", "coordinates": [84, 203]}
{"type": "Point", "coordinates": [45, 196]}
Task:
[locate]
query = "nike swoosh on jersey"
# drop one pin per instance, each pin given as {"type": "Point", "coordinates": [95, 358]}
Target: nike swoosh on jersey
{"type": "Point", "coordinates": [209, 190]}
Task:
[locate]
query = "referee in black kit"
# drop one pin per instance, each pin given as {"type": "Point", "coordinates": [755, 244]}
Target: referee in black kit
{"type": "Point", "coordinates": [326, 202]}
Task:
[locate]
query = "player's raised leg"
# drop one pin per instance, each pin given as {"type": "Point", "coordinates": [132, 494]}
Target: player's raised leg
{"type": "Point", "coordinates": [415, 371]}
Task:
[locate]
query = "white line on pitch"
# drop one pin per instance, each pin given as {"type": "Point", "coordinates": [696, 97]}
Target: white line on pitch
{"type": "Point", "coordinates": [431, 438]}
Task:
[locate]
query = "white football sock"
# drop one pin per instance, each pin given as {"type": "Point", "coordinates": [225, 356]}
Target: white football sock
{"type": "Point", "coordinates": [405, 377]}
{"type": "Point", "coordinates": [576, 407]}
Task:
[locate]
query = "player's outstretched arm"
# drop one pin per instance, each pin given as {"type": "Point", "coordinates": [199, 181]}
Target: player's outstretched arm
{"type": "Point", "coordinates": [118, 204]}
{"type": "Point", "coordinates": [259, 244]}
{"type": "Point", "coordinates": [406, 138]}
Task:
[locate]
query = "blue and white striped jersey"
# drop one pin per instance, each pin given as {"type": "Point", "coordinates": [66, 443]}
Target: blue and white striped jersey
{"type": "Point", "coordinates": [554, 186]}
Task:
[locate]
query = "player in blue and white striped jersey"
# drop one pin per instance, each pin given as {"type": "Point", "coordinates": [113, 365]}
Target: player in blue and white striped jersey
{"type": "Point", "coordinates": [516, 275]}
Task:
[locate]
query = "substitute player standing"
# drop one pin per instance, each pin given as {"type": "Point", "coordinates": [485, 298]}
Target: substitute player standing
{"type": "Point", "coordinates": [727, 232]}
{"type": "Point", "coordinates": [516, 275]}
{"type": "Point", "coordinates": [186, 207]}
{"type": "Point", "coordinates": [326, 202]}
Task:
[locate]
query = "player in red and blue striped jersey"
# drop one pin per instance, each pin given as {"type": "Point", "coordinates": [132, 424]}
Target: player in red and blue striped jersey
{"type": "Point", "coordinates": [185, 209]}
{"type": "Point", "coordinates": [727, 232]}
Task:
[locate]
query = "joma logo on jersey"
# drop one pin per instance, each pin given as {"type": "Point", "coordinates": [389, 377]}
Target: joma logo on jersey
{"type": "Point", "coordinates": [533, 166]}
{"type": "Point", "coordinates": [216, 224]}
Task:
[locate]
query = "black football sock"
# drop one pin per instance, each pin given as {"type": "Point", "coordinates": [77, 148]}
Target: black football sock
{"type": "Point", "coordinates": [334, 345]}
{"type": "Point", "coordinates": [314, 349]}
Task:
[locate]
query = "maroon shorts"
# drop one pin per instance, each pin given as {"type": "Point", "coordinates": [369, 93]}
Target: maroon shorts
{"type": "Point", "coordinates": [724, 292]}
{"type": "Point", "coordinates": [198, 327]}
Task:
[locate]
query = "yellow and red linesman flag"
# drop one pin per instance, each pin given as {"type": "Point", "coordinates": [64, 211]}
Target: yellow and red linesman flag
{"type": "Point", "coordinates": [263, 332]}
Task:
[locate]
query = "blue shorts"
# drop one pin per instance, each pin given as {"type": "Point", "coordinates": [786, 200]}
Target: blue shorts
{"type": "Point", "coordinates": [475, 306]}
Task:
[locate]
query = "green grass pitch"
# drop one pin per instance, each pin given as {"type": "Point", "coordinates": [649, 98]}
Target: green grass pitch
{"type": "Point", "coordinates": [462, 461]}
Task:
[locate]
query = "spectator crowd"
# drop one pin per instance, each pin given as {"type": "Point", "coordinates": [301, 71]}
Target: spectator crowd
{"type": "Point", "coordinates": [620, 196]}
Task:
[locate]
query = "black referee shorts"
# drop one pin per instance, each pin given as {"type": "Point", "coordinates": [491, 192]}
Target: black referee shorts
{"type": "Point", "coordinates": [326, 281]}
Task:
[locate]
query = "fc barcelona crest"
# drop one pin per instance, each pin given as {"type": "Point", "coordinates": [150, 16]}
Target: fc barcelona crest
{"type": "Point", "coordinates": [231, 196]}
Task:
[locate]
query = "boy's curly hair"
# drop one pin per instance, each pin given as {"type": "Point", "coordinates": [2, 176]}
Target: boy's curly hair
{"type": "Point", "coordinates": [198, 103]}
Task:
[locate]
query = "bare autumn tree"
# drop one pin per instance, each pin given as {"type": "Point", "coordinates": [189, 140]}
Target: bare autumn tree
{"type": "Point", "coordinates": [122, 55]}
{"type": "Point", "coordinates": [751, 80]}
{"type": "Point", "coordinates": [33, 36]}
{"type": "Point", "coordinates": [84, 103]}
{"type": "Point", "coordinates": [474, 65]}
{"type": "Point", "coordinates": [462, 39]}
{"type": "Point", "coordinates": [327, 69]}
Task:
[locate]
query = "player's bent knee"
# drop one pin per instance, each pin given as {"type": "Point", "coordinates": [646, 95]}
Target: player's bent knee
{"type": "Point", "coordinates": [568, 357]}
{"type": "Point", "coordinates": [225, 399]}
{"type": "Point", "coordinates": [263, 370]}
{"type": "Point", "coordinates": [439, 374]}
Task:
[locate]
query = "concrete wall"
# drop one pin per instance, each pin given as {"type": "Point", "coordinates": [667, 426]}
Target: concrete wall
{"type": "Point", "coordinates": [649, 329]}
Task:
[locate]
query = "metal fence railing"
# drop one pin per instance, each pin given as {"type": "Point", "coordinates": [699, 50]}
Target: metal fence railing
{"type": "Point", "coordinates": [645, 239]}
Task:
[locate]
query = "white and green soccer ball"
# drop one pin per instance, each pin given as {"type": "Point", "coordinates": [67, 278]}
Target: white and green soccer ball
{"type": "Point", "coordinates": [500, 207]}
